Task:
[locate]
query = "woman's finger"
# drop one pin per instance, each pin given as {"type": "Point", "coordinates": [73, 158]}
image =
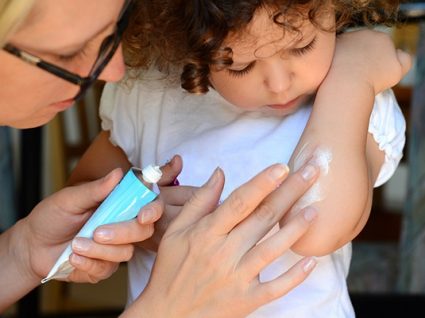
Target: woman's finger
{"type": "Point", "coordinates": [112, 253]}
{"type": "Point", "coordinates": [80, 198]}
{"type": "Point", "coordinates": [277, 244]}
{"type": "Point", "coordinates": [244, 199]}
{"type": "Point", "coordinates": [264, 293]}
{"type": "Point", "coordinates": [123, 232]}
{"type": "Point", "coordinates": [160, 227]}
{"type": "Point", "coordinates": [90, 270]}
{"type": "Point", "coordinates": [203, 201]}
{"type": "Point", "coordinates": [273, 208]}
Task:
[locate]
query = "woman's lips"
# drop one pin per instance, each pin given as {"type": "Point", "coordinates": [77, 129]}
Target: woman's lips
{"type": "Point", "coordinates": [63, 105]}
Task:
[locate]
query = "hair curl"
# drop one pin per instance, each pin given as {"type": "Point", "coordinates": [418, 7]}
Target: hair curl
{"type": "Point", "coordinates": [188, 35]}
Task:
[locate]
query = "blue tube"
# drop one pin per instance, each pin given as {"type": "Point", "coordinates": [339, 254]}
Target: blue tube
{"type": "Point", "coordinates": [122, 204]}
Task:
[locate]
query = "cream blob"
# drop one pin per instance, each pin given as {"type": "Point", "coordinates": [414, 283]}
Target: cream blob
{"type": "Point", "coordinates": [321, 158]}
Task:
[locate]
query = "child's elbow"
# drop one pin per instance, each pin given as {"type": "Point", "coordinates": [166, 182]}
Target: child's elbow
{"type": "Point", "coordinates": [330, 232]}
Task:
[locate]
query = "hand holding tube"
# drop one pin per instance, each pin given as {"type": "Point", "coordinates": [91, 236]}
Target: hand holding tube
{"type": "Point", "coordinates": [122, 204]}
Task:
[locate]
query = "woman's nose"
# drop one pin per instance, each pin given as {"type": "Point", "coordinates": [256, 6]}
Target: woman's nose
{"type": "Point", "coordinates": [115, 69]}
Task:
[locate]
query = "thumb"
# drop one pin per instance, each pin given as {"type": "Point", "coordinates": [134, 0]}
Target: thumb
{"type": "Point", "coordinates": [405, 61]}
{"type": "Point", "coordinates": [85, 196]}
{"type": "Point", "coordinates": [170, 171]}
{"type": "Point", "coordinates": [203, 201]}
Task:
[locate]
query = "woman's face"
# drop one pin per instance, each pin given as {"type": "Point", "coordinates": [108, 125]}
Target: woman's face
{"type": "Point", "coordinates": [67, 34]}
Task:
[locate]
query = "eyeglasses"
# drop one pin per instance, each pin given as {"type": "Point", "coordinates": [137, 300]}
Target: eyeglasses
{"type": "Point", "coordinates": [106, 52]}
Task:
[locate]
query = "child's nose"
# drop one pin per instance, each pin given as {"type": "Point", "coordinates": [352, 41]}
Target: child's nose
{"type": "Point", "coordinates": [278, 78]}
{"type": "Point", "coordinates": [115, 69]}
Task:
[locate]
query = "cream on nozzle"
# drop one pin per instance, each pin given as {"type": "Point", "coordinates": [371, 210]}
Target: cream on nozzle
{"type": "Point", "coordinates": [151, 174]}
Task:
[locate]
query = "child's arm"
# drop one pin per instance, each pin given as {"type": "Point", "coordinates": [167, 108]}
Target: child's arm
{"type": "Point", "coordinates": [365, 64]}
{"type": "Point", "coordinates": [100, 158]}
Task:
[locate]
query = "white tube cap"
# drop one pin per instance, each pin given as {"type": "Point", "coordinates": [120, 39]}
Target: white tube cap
{"type": "Point", "coordinates": [151, 174]}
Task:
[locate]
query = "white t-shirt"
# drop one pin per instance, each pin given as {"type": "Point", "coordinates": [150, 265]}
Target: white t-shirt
{"type": "Point", "coordinates": [151, 124]}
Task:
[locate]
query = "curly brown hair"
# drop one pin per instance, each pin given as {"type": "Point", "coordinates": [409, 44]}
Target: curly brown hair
{"type": "Point", "coordinates": [188, 35]}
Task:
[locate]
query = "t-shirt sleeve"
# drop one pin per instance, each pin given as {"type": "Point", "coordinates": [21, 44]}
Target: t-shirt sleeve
{"type": "Point", "coordinates": [116, 113]}
{"type": "Point", "coordinates": [388, 127]}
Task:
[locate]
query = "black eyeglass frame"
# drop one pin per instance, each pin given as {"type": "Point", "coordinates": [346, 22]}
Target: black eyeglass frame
{"type": "Point", "coordinates": [106, 51]}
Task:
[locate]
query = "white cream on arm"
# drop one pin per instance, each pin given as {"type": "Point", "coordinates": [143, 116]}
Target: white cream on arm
{"type": "Point", "coordinates": [321, 157]}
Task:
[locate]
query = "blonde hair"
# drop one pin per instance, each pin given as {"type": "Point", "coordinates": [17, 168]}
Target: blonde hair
{"type": "Point", "coordinates": [12, 13]}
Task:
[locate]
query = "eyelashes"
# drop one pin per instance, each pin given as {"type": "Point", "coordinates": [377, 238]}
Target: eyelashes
{"type": "Point", "coordinates": [71, 57]}
{"type": "Point", "coordinates": [304, 50]}
{"type": "Point", "coordinates": [240, 73]}
{"type": "Point", "coordinates": [295, 52]}
{"type": "Point", "coordinates": [85, 51]}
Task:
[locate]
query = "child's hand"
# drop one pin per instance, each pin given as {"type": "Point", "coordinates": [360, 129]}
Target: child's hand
{"type": "Point", "coordinates": [370, 56]}
{"type": "Point", "coordinates": [169, 203]}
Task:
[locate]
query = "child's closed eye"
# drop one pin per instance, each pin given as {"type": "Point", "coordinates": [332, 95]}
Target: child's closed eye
{"type": "Point", "coordinates": [305, 49]}
{"type": "Point", "coordinates": [241, 72]}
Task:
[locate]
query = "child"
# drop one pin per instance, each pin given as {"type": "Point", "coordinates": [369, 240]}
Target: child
{"type": "Point", "coordinates": [259, 83]}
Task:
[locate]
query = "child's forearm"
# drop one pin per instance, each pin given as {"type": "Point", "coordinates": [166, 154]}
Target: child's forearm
{"type": "Point", "coordinates": [99, 159]}
{"type": "Point", "coordinates": [365, 63]}
{"type": "Point", "coordinates": [338, 129]}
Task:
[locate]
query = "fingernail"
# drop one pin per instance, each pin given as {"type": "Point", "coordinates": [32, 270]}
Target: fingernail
{"type": "Point", "coordinates": [310, 214]}
{"type": "Point", "coordinates": [104, 234]}
{"type": "Point", "coordinates": [308, 172]}
{"type": "Point", "coordinates": [214, 178]}
{"type": "Point", "coordinates": [279, 171]}
{"type": "Point", "coordinates": [110, 174]}
{"type": "Point", "coordinates": [80, 244]}
{"type": "Point", "coordinates": [309, 264]}
{"type": "Point", "coordinates": [77, 259]}
{"type": "Point", "coordinates": [148, 215]}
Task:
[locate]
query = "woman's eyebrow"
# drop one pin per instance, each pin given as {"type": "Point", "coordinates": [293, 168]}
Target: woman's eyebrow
{"type": "Point", "coordinates": [70, 48]}
{"type": "Point", "coordinates": [73, 48]}
{"type": "Point", "coordinates": [31, 19]}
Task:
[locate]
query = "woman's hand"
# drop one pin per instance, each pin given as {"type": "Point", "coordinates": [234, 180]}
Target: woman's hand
{"type": "Point", "coordinates": [209, 259]}
{"type": "Point", "coordinates": [56, 220]}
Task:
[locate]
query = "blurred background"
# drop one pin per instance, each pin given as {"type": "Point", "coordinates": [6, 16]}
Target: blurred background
{"type": "Point", "coordinates": [387, 276]}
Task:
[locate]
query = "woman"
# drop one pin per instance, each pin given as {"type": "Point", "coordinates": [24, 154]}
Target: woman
{"type": "Point", "coordinates": [50, 57]}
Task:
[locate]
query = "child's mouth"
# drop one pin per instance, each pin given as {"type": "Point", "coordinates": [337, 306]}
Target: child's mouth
{"type": "Point", "coordinates": [287, 105]}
